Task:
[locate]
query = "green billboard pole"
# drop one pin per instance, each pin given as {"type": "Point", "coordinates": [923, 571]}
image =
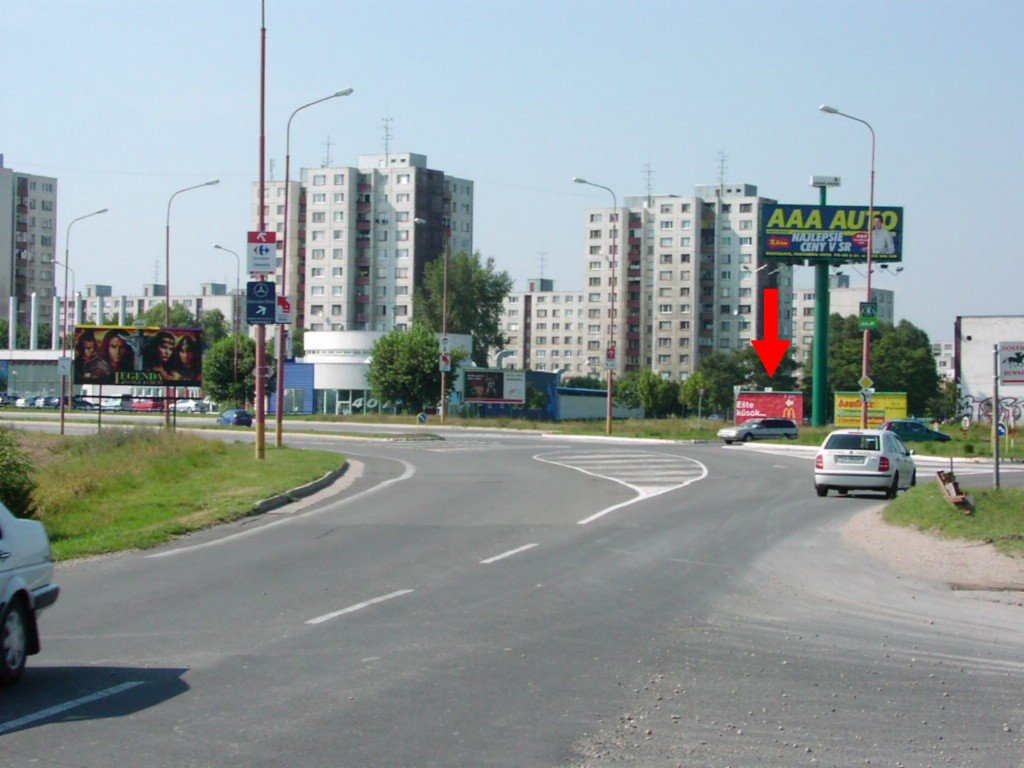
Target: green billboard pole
{"type": "Point", "coordinates": [819, 384]}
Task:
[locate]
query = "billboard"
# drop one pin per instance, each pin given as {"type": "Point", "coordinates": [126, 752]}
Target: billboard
{"type": "Point", "coordinates": [882, 406]}
{"type": "Point", "coordinates": [130, 355]}
{"type": "Point", "coordinates": [491, 385]}
{"type": "Point", "coordinates": [1011, 362]}
{"type": "Point", "coordinates": [774, 405]}
{"type": "Point", "coordinates": [828, 233]}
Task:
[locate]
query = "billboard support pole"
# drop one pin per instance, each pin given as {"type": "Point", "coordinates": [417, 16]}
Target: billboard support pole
{"type": "Point", "coordinates": [995, 416]}
{"type": "Point", "coordinates": [819, 379]}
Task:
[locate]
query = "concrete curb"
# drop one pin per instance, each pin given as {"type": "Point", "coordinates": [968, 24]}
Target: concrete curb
{"type": "Point", "coordinates": [283, 499]}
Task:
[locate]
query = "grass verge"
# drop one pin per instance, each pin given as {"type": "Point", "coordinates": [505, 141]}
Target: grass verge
{"type": "Point", "coordinates": [137, 488]}
{"type": "Point", "coordinates": [998, 517]}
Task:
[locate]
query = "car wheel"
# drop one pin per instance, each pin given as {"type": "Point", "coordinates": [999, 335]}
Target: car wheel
{"type": "Point", "coordinates": [822, 490]}
{"type": "Point", "coordinates": [890, 492]}
{"type": "Point", "coordinates": [13, 643]}
{"type": "Point", "coordinates": [728, 442]}
{"type": "Point", "coordinates": [747, 437]}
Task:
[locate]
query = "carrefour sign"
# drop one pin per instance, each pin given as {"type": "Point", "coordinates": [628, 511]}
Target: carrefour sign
{"type": "Point", "coordinates": [831, 233]}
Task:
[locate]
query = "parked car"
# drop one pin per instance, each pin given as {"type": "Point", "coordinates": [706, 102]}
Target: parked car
{"type": "Point", "coordinates": [52, 401]}
{"type": "Point", "coordinates": [191, 406]}
{"type": "Point", "coordinates": [913, 431]}
{"type": "Point", "coordinates": [864, 459]}
{"type": "Point", "coordinates": [141, 404]}
{"type": "Point", "coordinates": [26, 589]}
{"type": "Point", "coordinates": [25, 401]}
{"type": "Point", "coordinates": [8, 398]}
{"type": "Point", "coordinates": [759, 429]}
{"type": "Point", "coordinates": [82, 403]}
{"type": "Point", "coordinates": [235, 417]}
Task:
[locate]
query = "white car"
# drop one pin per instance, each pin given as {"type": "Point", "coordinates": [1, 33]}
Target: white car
{"type": "Point", "coordinates": [26, 589]}
{"type": "Point", "coordinates": [191, 406]}
{"type": "Point", "coordinates": [864, 459]}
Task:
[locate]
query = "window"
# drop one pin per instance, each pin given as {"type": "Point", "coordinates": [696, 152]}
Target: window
{"type": "Point", "coordinates": [684, 309]}
{"type": "Point", "coordinates": [337, 253]}
{"type": "Point", "coordinates": [666, 258]}
{"type": "Point", "coordinates": [664, 308]}
{"type": "Point", "coordinates": [595, 218]}
{"type": "Point", "coordinates": [401, 271]}
{"type": "Point", "coordinates": [665, 242]}
{"type": "Point", "coordinates": [746, 241]}
{"type": "Point", "coordinates": [319, 217]}
{"type": "Point", "coordinates": [317, 235]}
{"type": "Point", "coordinates": [402, 234]}
{"type": "Point", "coordinates": [684, 241]}
{"type": "Point", "coordinates": [337, 290]}
{"type": "Point", "coordinates": [319, 180]}
{"type": "Point", "coordinates": [402, 178]}
{"type": "Point", "coordinates": [595, 234]}
{"type": "Point", "coordinates": [667, 224]}
{"type": "Point", "coordinates": [338, 234]}
{"type": "Point", "coordinates": [595, 250]}
{"type": "Point", "coordinates": [319, 197]}
{"type": "Point", "coordinates": [402, 197]}
{"type": "Point", "coordinates": [594, 297]}
{"type": "Point", "coordinates": [594, 281]}
{"type": "Point", "coordinates": [687, 224]}
{"type": "Point", "coordinates": [316, 290]}
{"type": "Point", "coordinates": [665, 274]}
{"type": "Point", "coordinates": [339, 197]}
{"type": "Point", "coordinates": [382, 235]}
{"type": "Point", "coordinates": [746, 208]}
{"type": "Point", "coordinates": [318, 253]}
{"type": "Point", "coordinates": [666, 208]}
{"type": "Point", "coordinates": [746, 224]}
{"type": "Point", "coordinates": [402, 216]}
{"type": "Point", "coordinates": [316, 272]}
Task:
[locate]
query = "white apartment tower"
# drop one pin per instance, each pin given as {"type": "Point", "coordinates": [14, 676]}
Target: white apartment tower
{"type": "Point", "coordinates": [28, 225]}
{"type": "Point", "coordinates": [359, 238]}
{"type": "Point", "coordinates": [671, 279]}
{"type": "Point", "coordinates": [545, 329]}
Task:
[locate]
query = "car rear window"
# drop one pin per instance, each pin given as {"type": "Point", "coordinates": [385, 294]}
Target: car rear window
{"type": "Point", "coordinates": [852, 443]}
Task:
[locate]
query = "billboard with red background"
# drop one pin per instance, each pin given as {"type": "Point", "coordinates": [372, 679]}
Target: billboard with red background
{"type": "Point", "coordinates": [773, 405]}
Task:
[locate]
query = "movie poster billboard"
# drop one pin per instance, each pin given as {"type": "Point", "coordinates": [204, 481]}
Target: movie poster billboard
{"type": "Point", "coordinates": [486, 385]}
{"type": "Point", "coordinates": [827, 233]}
{"type": "Point", "coordinates": [134, 356]}
{"type": "Point", "coordinates": [773, 405]}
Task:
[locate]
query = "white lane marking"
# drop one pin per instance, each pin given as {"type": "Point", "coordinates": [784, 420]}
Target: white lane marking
{"type": "Point", "coordinates": [685, 478]}
{"type": "Point", "coordinates": [358, 606]}
{"type": "Point", "coordinates": [61, 708]}
{"type": "Point", "coordinates": [503, 555]}
{"type": "Point", "coordinates": [410, 470]}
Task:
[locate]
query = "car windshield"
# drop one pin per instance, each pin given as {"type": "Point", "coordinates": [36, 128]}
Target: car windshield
{"type": "Point", "coordinates": [852, 443]}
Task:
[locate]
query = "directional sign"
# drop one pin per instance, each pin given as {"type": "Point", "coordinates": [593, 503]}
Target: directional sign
{"type": "Point", "coordinates": [868, 315]}
{"type": "Point", "coordinates": [262, 254]}
{"type": "Point", "coordinates": [1001, 429]}
{"type": "Point", "coordinates": [260, 303]}
{"type": "Point", "coordinates": [284, 311]}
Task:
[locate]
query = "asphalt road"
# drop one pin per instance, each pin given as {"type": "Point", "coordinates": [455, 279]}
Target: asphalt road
{"type": "Point", "coordinates": [515, 600]}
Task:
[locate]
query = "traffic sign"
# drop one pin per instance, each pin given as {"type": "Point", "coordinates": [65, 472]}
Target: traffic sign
{"type": "Point", "coordinates": [865, 382]}
{"type": "Point", "coordinates": [446, 362]}
{"type": "Point", "coordinates": [262, 255]}
{"type": "Point", "coordinates": [260, 303]}
{"type": "Point", "coordinates": [868, 315]}
{"type": "Point", "coordinates": [611, 353]}
{"type": "Point", "coordinates": [284, 311]}
{"type": "Point", "coordinates": [1001, 429]}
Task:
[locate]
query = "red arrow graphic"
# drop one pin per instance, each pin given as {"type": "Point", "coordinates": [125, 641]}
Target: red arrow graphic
{"type": "Point", "coordinates": [771, 348]}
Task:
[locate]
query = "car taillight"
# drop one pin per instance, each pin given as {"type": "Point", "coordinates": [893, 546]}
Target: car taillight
{"type": "Point", "coordinates": [883, 464]}
{"type": "Point", "coordinates": [819, 462]}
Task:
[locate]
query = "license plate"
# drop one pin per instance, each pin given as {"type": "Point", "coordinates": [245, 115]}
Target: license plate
{"type": "Point", "coordinates": [849, 459]}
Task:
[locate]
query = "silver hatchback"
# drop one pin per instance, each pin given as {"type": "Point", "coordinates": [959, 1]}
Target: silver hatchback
{"type": "Point", "coordinates": [864, 459]}
{"type": "Point", "coordinates": [759, 429]}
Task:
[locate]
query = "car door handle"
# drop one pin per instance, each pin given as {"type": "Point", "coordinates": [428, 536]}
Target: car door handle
{"type": "Point", "coordinates": [4, 555]}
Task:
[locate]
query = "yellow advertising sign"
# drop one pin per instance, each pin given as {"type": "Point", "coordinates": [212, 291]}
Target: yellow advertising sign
{"type": "Point", "coordinates": [882, 406]}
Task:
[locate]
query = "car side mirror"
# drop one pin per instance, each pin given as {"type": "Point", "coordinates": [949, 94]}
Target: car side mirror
{"type": "Point", "coordinates": [912, 452]}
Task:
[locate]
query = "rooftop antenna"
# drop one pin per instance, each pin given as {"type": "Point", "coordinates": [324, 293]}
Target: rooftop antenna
{"type": "Point", "coordinates": [271, 169]}
{"type": "Point", "coordinates": [327, 154]}
{"type": "Point", "coordinates": [543, 261]}
{"type": "Point", "coordinates": [387, 138]}
{"type": "Point", "coordinates": [722, 157]}
{"type": "Point", "coordinates": [649, 173]}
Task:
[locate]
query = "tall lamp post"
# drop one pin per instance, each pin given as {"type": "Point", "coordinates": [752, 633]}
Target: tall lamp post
{"type": "Point", "coordinates": [282, 330]}
{"type": "Point", "coordinates": [64, 341]}
{"type": "Point", "coordinates": [610, 353]}
{"type": "Point", "coordinates": [167, 275]}
{"type": "Point", "coordinates": [234, 307]}
{"type": "Point", "coordinates": [866, 358]}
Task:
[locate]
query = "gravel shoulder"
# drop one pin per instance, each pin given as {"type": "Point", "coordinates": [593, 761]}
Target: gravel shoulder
{"type": "Point", "coordinates": [960, 564]}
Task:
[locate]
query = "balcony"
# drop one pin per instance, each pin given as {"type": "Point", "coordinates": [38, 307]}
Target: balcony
{"type": "Point", "coordinates": [633, 304]}
{"type": "Point", "coordinates": [363, 187]}
{"type": "Point", "coordinates": [634, 241]}
{"type": "Point", "coordinates": [634, 272]}
{"type": "Point", "coordinates": [632, 337]}
{"type": "Point", "coordinates": [362, 261]}
{"type": "Point", "coordinates": [363, 207]}
{"type": "Point", "coordinates": [363, 226]}
{"type": "Point", "coordinates": [362, 280]}
{"type": "Point", "coordinates": [360, 299]}
{"type": "Point", "coordinates": [362, 317]}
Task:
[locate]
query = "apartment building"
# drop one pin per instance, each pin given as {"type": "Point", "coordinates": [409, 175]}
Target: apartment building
{"type": "Point", "coordinates": [28, 226]}
{"type": "Point", "coordinates": [97, 304]}
{"type": "Point", "coordinates": [358, 238]}
{"type": "Point", "coordinates": [670, 279]}
{"type": "Point", "coordinates": [544, 329]}
{"type": "Point", "coordinates": [944, 353]}
{"type": "Point", "coordinates": [844, 300]}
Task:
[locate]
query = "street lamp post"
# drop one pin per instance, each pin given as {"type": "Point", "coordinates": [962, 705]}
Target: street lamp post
{"type": "Point", "coordinates": [282, 330]}
{"type": "Point", "coordinates": [444, 321]}
{"type": "Point", "coordinates": [234, 307]}
{"type": "Point", "coordinates": [167, 276]}
{"type": "Point", "coordinates": [866, 357]}
{"type": "Point", "coordinates": [610, 353]}
{"type": "Point", "coordinates": [64, 340]}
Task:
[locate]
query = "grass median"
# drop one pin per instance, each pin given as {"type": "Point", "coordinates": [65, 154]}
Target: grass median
{"type": "Point", "coordinates": [998, 517]}
{"type": "Point", "coordinates": [136, 488]}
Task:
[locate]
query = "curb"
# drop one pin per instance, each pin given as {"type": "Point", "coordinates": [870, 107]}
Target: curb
{"type": "Point", "coordinates": [283, 499]}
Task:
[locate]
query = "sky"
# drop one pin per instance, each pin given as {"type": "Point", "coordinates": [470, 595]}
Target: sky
{"type": "Point", "coordinates": [127, 102]}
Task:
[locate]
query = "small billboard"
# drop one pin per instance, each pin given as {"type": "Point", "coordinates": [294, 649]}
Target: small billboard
{"type": "Point", "coordinates": [136, 356]}
{"type": "Point", "coordinates": [882, 407]}
{"type": "Point", "coordinates": [1011, 362]}
{"type": "Point", "coordinates": [493, 385]}
{"type": "Point", "coordinates": [828, 233]}
{"type": "Point", "coordinates": [775, 405]}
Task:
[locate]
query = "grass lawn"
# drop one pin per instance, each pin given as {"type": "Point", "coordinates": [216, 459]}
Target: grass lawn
{"type": "Point", "coordinates": [998, 517]}
{"type": "Point", "coordinates": [135, 488]}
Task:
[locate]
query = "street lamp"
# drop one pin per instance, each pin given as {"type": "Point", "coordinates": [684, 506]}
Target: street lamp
{"type": "Point", "coordinates": [64, 341]}
{"type": "Point", "coordinates": [234, 306]}
{"type": "Point", "coordinates": [444, 321]}
{"type": "Point", "coordinates": [610, 354]}
{"type": "Point", "coordinates": [866, 358]}
{"type": "Point", "coordinates": [282, 331]}
{"type": "Point", "coordinates": [167, 274]}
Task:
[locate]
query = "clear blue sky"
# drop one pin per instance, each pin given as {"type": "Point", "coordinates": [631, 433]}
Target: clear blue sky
{"type": "Point", "coordinates": [126, 102]}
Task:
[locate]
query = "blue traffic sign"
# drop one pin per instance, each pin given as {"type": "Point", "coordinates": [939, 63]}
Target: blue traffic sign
{"type": "Point", "coordinates": [1001, 429]}
{"type": "Point", "coordinates": [260, 303]}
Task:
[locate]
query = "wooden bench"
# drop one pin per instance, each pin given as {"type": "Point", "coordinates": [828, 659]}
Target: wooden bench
{"type": "Point", "coordinates": [952, 493]}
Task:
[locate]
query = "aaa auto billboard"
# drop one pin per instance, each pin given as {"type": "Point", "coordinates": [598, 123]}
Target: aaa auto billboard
{"type": "Point", "coordinates": [773, 405]}
{"type": "Point", "coordinates": [882, 406]}
{"type": "Point", "coordinates": [828, 233]}
{"type": "Point", "coordinates": [130, 355]}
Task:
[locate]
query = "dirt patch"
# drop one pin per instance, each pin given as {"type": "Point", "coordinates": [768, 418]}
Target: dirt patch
{"type": "Point", "coordinates": [960, 564]}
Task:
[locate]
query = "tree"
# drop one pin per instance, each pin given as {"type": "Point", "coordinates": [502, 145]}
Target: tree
{"type": "Point", "coordinates": [156, 316]}
{"type": "Point", "coordinates": [403, 366]}
{"type": "Point", "coordinates": [756, 377]}
{"type": "Point", "coordinates": [717, 374]}
{"type": "Point", "coordinates": [219, 371]}
{"type": "Point", "coordinates": [946, 404]}
{"type": "Point", "coordinates": [476, 293]}
{"type": "Point", "coordinates": [584, 382]}
{"type": "Point", "coordinates": [659, 397]}
{"type": "Point", "coordinates": [214, 325]}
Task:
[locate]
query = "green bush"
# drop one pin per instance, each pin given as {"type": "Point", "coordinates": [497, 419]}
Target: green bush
{"type": "Point", "coordinates": [16, 484]}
